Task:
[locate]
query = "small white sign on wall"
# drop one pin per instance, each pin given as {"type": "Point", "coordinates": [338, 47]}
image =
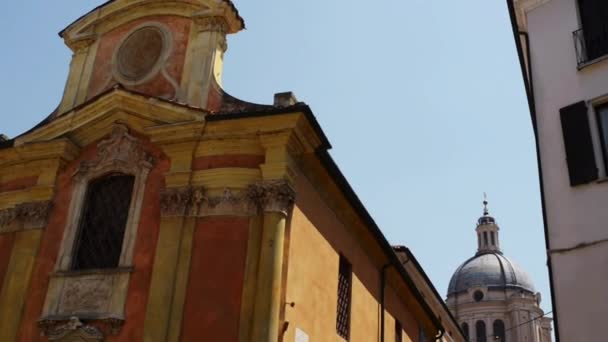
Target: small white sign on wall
{"type": "Point", "coordinates": [301, 336]}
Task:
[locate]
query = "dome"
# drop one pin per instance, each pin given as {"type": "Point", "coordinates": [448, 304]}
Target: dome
{"type": "Point", "coordinates": [491, 270]}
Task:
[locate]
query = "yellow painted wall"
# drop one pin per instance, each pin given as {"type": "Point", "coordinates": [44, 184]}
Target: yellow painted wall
{"type": "Point", "coordinates": [317, 239]}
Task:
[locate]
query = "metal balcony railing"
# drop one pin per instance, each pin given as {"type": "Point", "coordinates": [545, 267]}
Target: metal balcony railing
{"type": "Point", "coordinates": [590, 45]}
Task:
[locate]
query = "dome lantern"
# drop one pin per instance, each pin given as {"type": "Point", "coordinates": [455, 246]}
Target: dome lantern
{"type": "Point", "coordinates": [487, 232]}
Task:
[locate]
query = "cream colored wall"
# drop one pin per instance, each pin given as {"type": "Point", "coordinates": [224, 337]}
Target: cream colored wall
{"type": "Point", "coordinates": [317, 238]}
{"type": "Point", "coordinates": [575, 215]}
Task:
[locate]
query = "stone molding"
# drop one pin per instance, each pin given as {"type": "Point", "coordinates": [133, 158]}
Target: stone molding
{"type": "Point", "coordinates": [121, 151]}
{"type": "Point", "coordinates": [270, 196]}
{"type": "Point", "coordinates": [31, 215]}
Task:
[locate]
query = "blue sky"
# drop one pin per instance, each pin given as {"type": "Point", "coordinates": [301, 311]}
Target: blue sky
{"type": "Point", "coordinates": [422, 100]}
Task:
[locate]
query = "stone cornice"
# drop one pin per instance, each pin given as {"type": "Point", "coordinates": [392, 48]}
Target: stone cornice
{"type": "Point", "coordinates": [115, 13]}
{"type": "Point", "coordinates": [143, 112]}
{"type": "Point", "coordinates": [62, 149]}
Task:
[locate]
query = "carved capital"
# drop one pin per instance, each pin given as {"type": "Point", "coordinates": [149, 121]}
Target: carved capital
{"type": "Point", "coordinates": [212, 24]}
{"type": "Point", "coordinates": [196, 202]}
{"type": "Point", "coordinates": [72, 330]}
{"type": "Point", "coordinates": [272, 196]}
{"type": "Point", "coordinates": [25, 216]}
{"type": "Point", "coordinates": [119, 152]}
{"type": "Point", "coordinates": [80, 44]}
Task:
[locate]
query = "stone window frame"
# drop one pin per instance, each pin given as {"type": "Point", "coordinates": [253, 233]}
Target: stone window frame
{"type": "Point", "coordinates": [98, 294]}
{"type": "Point", "coordinates": [121, 153]}
{"type": "Point", "coordinates": [159, 67]}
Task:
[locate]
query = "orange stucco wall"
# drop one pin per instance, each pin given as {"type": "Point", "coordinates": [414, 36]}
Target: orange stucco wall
{"type": "Point", "coordinates": [317, 239]}
{"type": "Point", "coordinates": [248, 161]}
{"type": "Point", "coordinates": [159, 86]}
{"type": "Point", "coordinates": [213, 297]}
{"type": "Point", "coordinates": [18, 183]}
{"type": "Point", "coordinates": [143, 254]}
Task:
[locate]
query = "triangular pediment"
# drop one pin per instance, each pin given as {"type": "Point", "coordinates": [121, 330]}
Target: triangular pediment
{"type": "Point", "coordinates": [92, 120]}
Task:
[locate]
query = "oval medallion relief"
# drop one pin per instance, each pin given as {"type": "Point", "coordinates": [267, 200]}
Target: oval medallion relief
{"type": "Point", "coordinates": [141, 55]}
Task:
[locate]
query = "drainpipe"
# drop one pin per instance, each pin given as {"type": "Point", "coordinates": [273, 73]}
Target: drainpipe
{"type": "Point", "coordinates": [382, 295]}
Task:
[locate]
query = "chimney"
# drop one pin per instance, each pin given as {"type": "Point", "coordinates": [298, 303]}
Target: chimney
{"type": "Point", "coordinates": [286, 99]}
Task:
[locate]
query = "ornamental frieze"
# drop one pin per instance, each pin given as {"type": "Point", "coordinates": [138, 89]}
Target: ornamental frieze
{"type": "Point", "coordinates": [272, 196]}
{"type": "Point", "coordinates": [31, 215]}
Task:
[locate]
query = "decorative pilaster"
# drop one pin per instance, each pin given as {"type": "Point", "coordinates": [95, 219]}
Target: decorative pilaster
{"type": "Point", "coordinates": [85, 49]}
{"type": "Point", "coordinates": [275, 199]}
{"type": "Point", "coordinates": [205, 56]}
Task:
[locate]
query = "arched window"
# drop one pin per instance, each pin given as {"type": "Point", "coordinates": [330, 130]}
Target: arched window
{"type": "Point", "coordinates": [465, 331]}
{"type": "Point", "coordinates": [480, 331]}
{"type": "Point", "coordinates": [499, 331]}
{"type": "Point", "coordinates": [102, 226]}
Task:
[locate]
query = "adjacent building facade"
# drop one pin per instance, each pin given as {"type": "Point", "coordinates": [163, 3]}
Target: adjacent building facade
{"type": "Point", "coordinates": [153, 206]}
{"type": "Point", "coordinates": [563, 45]}
{"type": "Point", "coordinates": [492, 298]}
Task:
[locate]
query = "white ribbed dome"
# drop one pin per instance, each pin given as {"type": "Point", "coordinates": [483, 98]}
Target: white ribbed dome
{"type": "Point", "coordinates": [491, 270]}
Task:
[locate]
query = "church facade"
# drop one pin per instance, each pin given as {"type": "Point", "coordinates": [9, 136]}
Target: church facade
{"type": "Point", "coordinates": [153, 206]}
{"type": "Point", "coordinates": [494, 299]}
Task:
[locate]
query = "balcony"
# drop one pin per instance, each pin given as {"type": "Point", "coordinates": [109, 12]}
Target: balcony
{"type": "Point", "coordinates": [590, 47]}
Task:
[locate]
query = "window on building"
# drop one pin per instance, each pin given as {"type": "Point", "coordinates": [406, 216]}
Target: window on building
{"type": "Point", "coordinates": [492, 238]}
{"type": "Point", "coordinates": [580, 156]}
{"type": "Point", "coordinates": [398, 331]}
{"type": "Point", "coordinates": [602, 123]}
{"type": "Point", "coordinates": [593, 14]}
{"type": "Point", "coordinates": [478, 296]}
{"type": "Point", "coordinates": [465, 331]}
{"type": "Point", "coordinates": [499, 331]}
{"type": "Point", "coordinates": [485, 238]}
{"type": "Point", "coordinates": [344, 298]}
{"type": "Point", "coordinates": [480, 332]}
{"type": "Point", "coordinates": [102, 226]}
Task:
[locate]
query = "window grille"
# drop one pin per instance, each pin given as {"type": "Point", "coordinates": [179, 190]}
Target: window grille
{"type": "Point", "coordinates": [102, 227]}
{"type": "Point", "coordinates": [344, 297]}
